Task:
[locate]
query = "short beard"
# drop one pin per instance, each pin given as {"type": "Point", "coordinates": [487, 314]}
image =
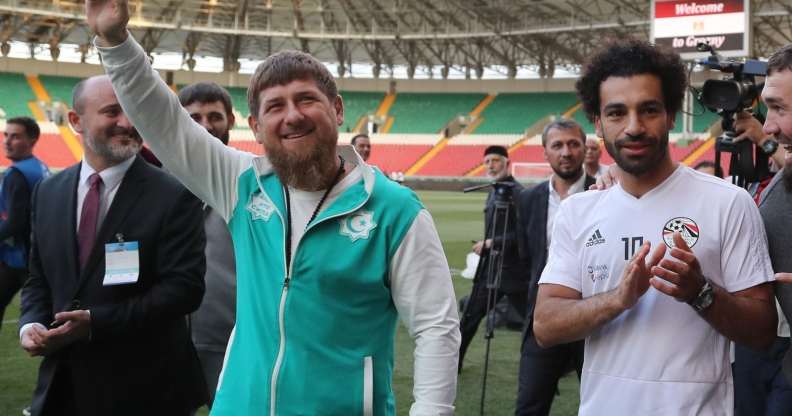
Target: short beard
{"type": "Point", "coordinates": [574, 174]}
{"type": "Point", "coordinates": [643, 167]}
{"type": "Point", "coordinates": [114, 153]}
{"type": "Point", "coordinates": [786, 177]}
{"type": "Point", "coordinates": [312, 172]}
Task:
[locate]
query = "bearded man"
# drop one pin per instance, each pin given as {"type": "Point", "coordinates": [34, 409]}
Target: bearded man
{"type": "Point", "coordinates": [116, 263]}
{"type": "Point", "coordinates": [329, 252]}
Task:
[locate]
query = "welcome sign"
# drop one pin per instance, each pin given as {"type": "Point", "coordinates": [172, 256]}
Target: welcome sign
{"type": "Point", "coordinates": [681, 25]}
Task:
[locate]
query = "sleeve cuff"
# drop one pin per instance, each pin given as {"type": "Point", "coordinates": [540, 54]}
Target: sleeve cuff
{"type": "Point", "coordinates": [27, 326]}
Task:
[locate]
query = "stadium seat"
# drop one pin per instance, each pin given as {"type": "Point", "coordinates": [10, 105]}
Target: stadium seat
{"type": "Point", "coordinates": [15, 93]}
{"type": "Point", "coordinates": [512, 113]}
{"type": "Point", "coordinates": [429, 112]}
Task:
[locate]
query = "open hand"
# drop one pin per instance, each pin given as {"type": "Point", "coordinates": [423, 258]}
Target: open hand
{"type": "Point", "coordinates": [680, 278]}
{"type": "Point", "coordinates": [108, 19]}
{"type": "Point", "coordinates": [636, 277]}
{"type": "Point", "coordinates": [607, 179]}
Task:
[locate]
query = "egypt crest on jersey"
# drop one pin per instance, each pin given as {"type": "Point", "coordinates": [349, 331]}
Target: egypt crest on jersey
{"type": "Point", "coordinates": [685, 226]}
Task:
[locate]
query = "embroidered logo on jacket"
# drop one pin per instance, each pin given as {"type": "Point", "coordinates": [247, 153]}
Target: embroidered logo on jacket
{"type": "Point", "coordinates": [358, 225]}
{"type": "Point", "coordinates": [260, 207]}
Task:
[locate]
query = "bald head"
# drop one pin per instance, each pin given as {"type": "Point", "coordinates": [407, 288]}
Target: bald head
{"type": "Point", "coordinates": [90, 84]}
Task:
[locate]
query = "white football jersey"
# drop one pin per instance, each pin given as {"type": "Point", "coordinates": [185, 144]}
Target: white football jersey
{"type": "Point", "coordinates": [660, 357]}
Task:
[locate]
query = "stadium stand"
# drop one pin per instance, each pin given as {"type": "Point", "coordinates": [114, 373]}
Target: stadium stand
{"type": "Point", "coordinates": [50, 148]}
{"type": "Point", "coordinates": [356, 105]}
{"type": "Point", "coordinates": [463, 153]}
{"type": "Point", "coordinates": [512, 113]}
{"type": "Point", "coordinates": [59, 88]}
{"type": "Point", "coordinates": [15, 93]}
{"type": "Point", "coordinates": [429, 112]}
{"type": "Point", "coordinates": [396, 152]}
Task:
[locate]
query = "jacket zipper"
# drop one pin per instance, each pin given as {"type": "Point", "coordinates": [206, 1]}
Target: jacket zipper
{"type": "Point", "coordinates": [281, 325]}
{"type": "Point", "coordinates": [282, 305]}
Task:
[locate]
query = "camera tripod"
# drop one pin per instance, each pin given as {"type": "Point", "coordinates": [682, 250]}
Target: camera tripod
{"type": "Point", "coordinates": [492, 265]}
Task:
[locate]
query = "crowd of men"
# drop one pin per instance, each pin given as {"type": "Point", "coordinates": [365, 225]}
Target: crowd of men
{"type": "Point", "coordinates": [161, 278]}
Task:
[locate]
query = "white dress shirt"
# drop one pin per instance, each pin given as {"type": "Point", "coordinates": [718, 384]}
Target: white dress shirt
{"type": "Point", "coordinates": [111, 180]}
{"type": "Point", "coordinates": [554, 200]}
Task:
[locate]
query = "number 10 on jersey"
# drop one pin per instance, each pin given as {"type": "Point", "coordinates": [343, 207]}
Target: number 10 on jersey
{"type": "Point", "coordinates": [631, 245]}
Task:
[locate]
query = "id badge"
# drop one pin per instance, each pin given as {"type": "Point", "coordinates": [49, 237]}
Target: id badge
{"type": "Point", "coordinates": [122, 264]}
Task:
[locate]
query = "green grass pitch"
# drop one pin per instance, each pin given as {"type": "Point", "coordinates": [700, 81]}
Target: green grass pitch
{"type": "Point", "coordinates": [459, 219]}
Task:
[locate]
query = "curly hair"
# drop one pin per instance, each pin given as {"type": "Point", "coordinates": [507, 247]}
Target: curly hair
{"type": "Point", "coordinates": [625, 58]}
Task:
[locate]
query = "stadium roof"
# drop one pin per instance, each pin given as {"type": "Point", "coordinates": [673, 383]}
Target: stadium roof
{"type": "Point", "coordinates": [432, 37]}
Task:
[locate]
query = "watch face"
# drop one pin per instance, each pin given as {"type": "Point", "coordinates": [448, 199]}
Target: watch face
{"type": "Point", "coordinates": [770, 146]}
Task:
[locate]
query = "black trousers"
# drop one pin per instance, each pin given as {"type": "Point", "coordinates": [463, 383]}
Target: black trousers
{"type": "Point", "coordinates": [760, 387]}
{"type": "Point", "coordinates": [476, 310]}
{"type": "Point", "coordinates": [540, 370]}
{"type": "Point", "coordinates": [11, 280]}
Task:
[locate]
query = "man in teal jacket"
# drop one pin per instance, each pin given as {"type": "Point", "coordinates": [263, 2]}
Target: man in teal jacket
{"type": "Point", "coordinates": [329, 252]}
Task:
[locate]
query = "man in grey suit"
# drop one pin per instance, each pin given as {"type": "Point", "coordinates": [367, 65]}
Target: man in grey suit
{"type": "Point", "coordinates": [210, 106]}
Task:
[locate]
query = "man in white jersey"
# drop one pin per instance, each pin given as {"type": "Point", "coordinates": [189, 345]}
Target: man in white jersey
{"type": "Point", "coordinates": [657, 326]}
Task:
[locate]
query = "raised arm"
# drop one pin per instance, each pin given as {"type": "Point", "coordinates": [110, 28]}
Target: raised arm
{"type": "Point", "coordinates": [202, 163]}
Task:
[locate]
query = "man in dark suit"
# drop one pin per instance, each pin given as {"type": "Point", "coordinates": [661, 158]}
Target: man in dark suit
{"type": "Point", "coordinates": [499, 235]}
{"type": "Point", "coordinates": [564, 148]}
{"type": "Point", "coordinates": [116, 263]}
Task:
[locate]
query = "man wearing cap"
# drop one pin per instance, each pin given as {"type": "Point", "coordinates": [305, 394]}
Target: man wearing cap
{"type": "Point", "coordinates": [499, 237]}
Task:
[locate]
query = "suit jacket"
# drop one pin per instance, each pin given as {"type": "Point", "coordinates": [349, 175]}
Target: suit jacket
{"type": "Point", "coordinates": [512, 275]}
{"type": "Point", "coordinates": [139, 359]}
{"type": "Point", "coordinates": [532, 206]}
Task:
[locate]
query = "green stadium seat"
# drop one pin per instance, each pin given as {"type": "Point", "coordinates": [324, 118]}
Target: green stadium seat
{"type": "Point", "coordinates": [429, 113]}
{"type": "Point", "coordinates": [358, 104]}
{"type": "Point", "coordinates": [512, 113]}
{"type": "Point", "coordinates": [15, 93]}
{"type": "Point", "coordinates": [59, 88]}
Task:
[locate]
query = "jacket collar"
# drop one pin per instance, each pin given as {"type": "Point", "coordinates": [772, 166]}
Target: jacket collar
{"type": "Point", "coordinates": [270, 186]}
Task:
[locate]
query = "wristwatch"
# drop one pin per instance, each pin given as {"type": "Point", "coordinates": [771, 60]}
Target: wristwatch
{"type": "Point", "coordinates": [769, 147]}
{"type": "Point", "coordinates": [704, 298]}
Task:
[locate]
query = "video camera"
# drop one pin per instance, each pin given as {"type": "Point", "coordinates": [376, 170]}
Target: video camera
{"type": "Point", "coordinates": [503, 190]}
{"type": "Point", "coordinates": [728, 97]}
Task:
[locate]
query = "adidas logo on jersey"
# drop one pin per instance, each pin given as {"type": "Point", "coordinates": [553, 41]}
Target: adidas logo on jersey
{"type": "Point", "coordinates": [595, 239]}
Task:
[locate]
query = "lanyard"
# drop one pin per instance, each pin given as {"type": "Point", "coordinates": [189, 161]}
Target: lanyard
{"type": "Point", "coordinates": [313, 216]}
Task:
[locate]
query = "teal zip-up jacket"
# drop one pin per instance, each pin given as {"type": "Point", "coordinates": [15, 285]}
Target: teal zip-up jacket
{"type": "Point", "coordinates": [318, 340]}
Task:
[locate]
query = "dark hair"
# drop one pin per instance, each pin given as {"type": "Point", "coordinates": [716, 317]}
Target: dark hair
{"type": "Point", "coordinates": [563, 124]}
{"type": "Point", "coordinates": [497, 149]}
{"type": "Point", "coordinates": [709, 164]}
{"type": "Point", "coordinates": [627, 58]}
{"type": "Point", "coordinates": [780, 60]}
{"type": "Point", "coordinates": [31, 127]}
{"type": "Point", "coordinates": [285, 67]}
{"type": "Point", "coordinates": [206, 92]}
{"type": "Point", "coordinates": [358, 136]}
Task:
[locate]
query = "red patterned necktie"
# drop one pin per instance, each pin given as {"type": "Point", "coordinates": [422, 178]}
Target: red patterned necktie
{"type": "Point", "coordinates": [86, 235]}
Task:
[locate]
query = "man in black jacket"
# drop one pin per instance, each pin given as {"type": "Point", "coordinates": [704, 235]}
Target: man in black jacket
{"type": "Point", "coordinates": [564, 148]}
{"type": "Point", "coordinates": [512, 285]}
{"type": "Point", "coordinates": [116, 263]}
